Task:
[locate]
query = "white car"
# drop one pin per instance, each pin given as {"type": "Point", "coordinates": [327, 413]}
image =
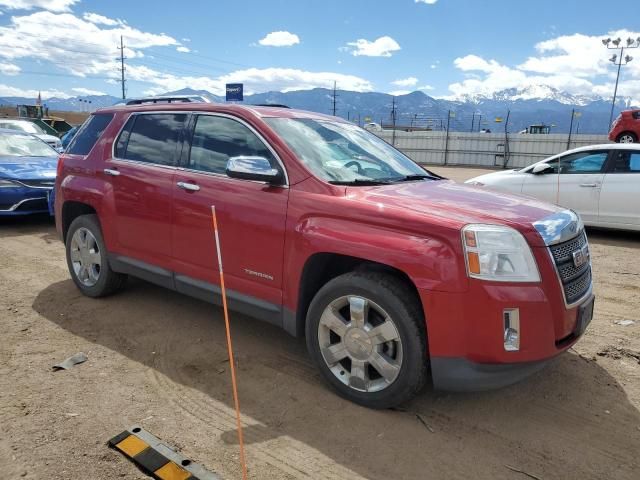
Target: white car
{"type": "Point", "coordinates": [30, 127]}
{"type": "Point", "coordinates": [600, 182]}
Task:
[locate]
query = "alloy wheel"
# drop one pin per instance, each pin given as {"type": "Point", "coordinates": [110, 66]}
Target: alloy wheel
{"type": "Point", "coordinates": [86, 258]}
{"type": "Point", "coordinates": [360, 343]}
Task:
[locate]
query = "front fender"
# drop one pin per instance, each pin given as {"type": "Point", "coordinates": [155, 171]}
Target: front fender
{"type": "Point", "coordinates": [432, 260]}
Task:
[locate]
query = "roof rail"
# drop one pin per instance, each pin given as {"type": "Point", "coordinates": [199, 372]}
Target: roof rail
{"type": "Point", "coordinates": [274, 105]}
{"type": "Point", "coordinates": [169, 99]}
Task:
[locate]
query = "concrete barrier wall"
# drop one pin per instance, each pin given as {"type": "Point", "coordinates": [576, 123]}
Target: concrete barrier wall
{"type": "Point", "coordinates": [483, 149]}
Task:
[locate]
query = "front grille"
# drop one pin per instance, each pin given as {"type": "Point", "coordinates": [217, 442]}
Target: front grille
{"type": "Point", "coordinates": [38, 183]}
{"type": "Point", "coordinates": [576, 281]}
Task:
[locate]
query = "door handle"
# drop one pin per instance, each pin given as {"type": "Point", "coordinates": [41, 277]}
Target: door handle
{"type": "Point", "coordinates": [190, 187]}
{"type": "Point", "coordinates": [111, 171]}
{"type": "Point", "coordinates": [591, 185]}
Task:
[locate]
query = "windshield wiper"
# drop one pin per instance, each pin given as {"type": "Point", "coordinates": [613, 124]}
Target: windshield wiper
{"type": "Point", "coordinates": [419, 176]}
{"type": "Point", "coordinates": [360, 181]}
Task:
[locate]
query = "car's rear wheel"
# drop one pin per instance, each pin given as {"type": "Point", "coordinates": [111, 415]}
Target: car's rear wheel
{"type": "Point", "coordinates": [366, 333]}
{"type": "Point", "coordinates": [627, 137]}
{"type": "Point", "coordinates": [87, 258]}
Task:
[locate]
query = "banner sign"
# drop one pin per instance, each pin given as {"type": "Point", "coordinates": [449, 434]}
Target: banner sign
{"type": "Point", "coordinates": [234, 92]}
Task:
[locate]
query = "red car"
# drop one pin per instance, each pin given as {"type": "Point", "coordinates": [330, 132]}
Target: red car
{"type": "Point", "coordinates": [387, 269]}
{"type": "Point", "coordinates": [626, 127]}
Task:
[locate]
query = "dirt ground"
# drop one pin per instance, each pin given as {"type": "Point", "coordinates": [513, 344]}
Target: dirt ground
{"type": "Point", "coordinates": [157, 359]}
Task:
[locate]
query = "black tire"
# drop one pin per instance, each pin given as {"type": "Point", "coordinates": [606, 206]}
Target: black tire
{"type": "Point", "coordinates": [108, 281]}
{"type": "Point", "coordinates": [627, 135]}
{"type": "Point", "coordinates": [404, 308]}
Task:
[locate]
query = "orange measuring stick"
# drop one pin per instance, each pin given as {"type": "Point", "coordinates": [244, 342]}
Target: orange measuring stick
{"type": "Point", "coordinates": [234, 385]}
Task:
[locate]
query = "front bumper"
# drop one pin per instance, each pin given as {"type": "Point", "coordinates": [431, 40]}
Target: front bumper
{"type": "Point", "coordinates": [466, 334]}
{"type": "Point", "coordinates": [462, 375]}
{"type": "Point", "coordinates": [24, 201]}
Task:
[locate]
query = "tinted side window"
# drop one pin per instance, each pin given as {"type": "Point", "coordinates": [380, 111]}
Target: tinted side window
{"type": "Point", "coordinates": [626, 162]}
{"type": "Point", "coordinates": [152, 139]}
{"type": "Point", "coordinates": [583, 162]}
{"type": "Point", "coordinates": [216, 139]}
{"type": "Point", "coordinates": [89, 134]}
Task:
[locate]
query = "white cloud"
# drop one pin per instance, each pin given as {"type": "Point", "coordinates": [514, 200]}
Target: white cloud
{"type": "Point", "coordinates": [254, 79]}
{"type": "Point", "coordinates": [9, 69]}
{"type": "Point", "coordinates": [426, 88]}
{"type": "Point", "coordinates": [405, 82]}
{"type": "Point", "coordinates": [87, 91]}
{"type": "Point", "coordinates": [577, 64]}
{"type": "Point", "coordinates": [428, 2]}
{"type": "Point", "coordinates": [8, 91]}
{"type": "Point", "coordinates": [279, 39]}
{"type": "Point", "coordinates": [51, 5]}
{"type": "Point", "coordinates": [183, 49]}
{"type": "Point", "coordinates": [396, 93]}
{"type": "Point", "coordinates": [67, 49]}
{"type": "Point", "coordinates": [101, 19]}
{"type": "Point", "coordinates": [73, 44]}
{"type": "Point", "coordinates": [380, 47]}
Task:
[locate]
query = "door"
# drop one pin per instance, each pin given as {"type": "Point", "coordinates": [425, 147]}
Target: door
{"type": "Point", "coordinates": [620, 194]}
{"type": "Point", "coordinates": [576, 187]}
{"type": "Point", "coordinates": [251, 219]}
{"type": "Point", "coordinates": [142, 177]}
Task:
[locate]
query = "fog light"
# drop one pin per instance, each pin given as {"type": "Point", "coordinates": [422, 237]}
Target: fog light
{"type": "Point", "coordinates": [511, 317]}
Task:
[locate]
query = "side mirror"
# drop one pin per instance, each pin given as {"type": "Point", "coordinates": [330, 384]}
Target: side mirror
{"type": "Point", "coordinates": [253, 168]}
{"type": "Point", "coordinates": [541, 168]}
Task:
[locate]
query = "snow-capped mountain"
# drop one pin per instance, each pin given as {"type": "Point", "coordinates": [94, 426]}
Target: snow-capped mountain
{"type": "Point", "coordinates": [526, 106]}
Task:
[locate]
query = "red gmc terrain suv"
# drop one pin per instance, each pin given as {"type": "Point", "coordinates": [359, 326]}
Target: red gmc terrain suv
{"type": "Point", "coordinates": [327, 231]}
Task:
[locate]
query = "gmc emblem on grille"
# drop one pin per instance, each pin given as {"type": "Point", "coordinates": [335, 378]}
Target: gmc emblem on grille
{"type": "Point", "coordinates": [581, 256]}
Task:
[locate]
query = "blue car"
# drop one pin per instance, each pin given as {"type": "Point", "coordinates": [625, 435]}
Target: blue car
{"type": "Point", "coordinates": [27, 173]}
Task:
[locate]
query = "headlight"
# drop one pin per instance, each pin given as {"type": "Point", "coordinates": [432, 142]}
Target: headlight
{"type": "Point", "coordinates": [498, 253]}
{"type": "Point", "coordinates": [9, 184]}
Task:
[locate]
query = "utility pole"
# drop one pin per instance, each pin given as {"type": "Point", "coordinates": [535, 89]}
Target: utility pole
{"type": "Point", "coordinates": [473, 121]}
{"type": "Point", "coordinates": [334, 98]}
{"type": "Point", "coordinates": [479, 121]}
{"type": "Point", "coordinates": [393, 121]}
{"type": "Point", "coordinates": [122, 59]}
{"type": "Point", "coordinates": [446, 141]}
{"type": "Point", "coordinates": [573, 113]}
{"type": "Point", "coordinates": [617, 60]}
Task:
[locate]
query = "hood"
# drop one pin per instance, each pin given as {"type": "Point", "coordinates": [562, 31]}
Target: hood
{"type": "Point", "coordinates": [492, 175]}
{"type": "Point", "coordinates": [458, 204]}
{"type": "Point", "coordinates": [28, 168]}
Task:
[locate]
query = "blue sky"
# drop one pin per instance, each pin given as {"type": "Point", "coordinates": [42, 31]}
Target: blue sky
{"type": "Point", "coordinates": [446, 48]}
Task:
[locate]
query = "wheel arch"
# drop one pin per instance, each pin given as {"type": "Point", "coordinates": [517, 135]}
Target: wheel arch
{"type": "Point", "coordinates": [71, 210]}
{"type": "Point", "coordinates": [627, 132]}
{"type": "Point", "coordinates": [322, 267]}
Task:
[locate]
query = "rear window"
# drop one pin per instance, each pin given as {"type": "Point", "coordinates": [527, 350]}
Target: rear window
{"type": "Point", "coordinates": [151, 138]}
{"type": "Point", "coordinates": [89, 134]}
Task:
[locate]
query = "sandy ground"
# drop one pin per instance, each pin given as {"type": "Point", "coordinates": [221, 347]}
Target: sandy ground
{"type": "Point", "coordinates": [157, 359]}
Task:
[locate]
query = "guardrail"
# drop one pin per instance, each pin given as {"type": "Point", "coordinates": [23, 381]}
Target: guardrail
{"type": "Point", "coordinates": [483, 149]}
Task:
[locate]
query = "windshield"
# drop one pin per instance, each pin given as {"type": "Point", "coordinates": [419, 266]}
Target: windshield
{"type": "Point", "coordinates": [344, 153]}
{"type": "Point", "coordinates": [24, 146]}
{"type": "Point", "coordinates": [23, 127]}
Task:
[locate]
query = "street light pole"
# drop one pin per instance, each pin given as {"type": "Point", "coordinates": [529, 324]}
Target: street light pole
{"type": "Point", "coordinates": [618, 60]}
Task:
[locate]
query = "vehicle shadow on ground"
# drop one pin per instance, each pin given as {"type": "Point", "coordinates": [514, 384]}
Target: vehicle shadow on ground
{"type": "Point", "coordinates": [11, 226]}
{"type": "Point", "coordinates": [571, 420]}
{"type": "Point", "coordinates": [619, 238]}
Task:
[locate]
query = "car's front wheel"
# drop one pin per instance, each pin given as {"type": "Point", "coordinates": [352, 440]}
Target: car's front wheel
{"type": "Point", "coordinates": [366, 333]}
{"type": "Point", "coordinates": [87, 258]}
